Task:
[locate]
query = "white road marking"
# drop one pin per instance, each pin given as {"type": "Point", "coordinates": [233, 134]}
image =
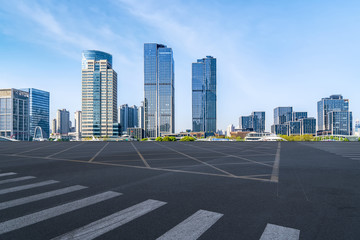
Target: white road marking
{"type": "Point", "coordinates": [64, 150]}
{"type": "Point", "coordinates": [113, 221]}
{"type": "Point", "coordinates": [275, 232]}
{"type": "Point", "coordinates": [140, 155]}
{"type": "Point", "coordinates": [33, 218]}
{"type": "Point", "coordinates": [92, 159]}
{"type": "Point", "coordinates": [37, 197]}
{"type": "Point", "coordinates": [7, 174]}
{"type": "Point", "coordinates": [275, 171]}
{"type": "Point", "coordinates": [28, 186]}
{"type": "Point", "coordinates": [16, 179]}
{"type": "Point", "coordinates": [192, 227]}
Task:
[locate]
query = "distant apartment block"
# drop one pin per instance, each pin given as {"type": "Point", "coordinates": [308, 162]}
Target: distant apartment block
{"type": "Point", "coordinates": [99, 95]}
{"type": "Point", "coordinates": [128, 117]}
{"type": "Point", "coordinates": [334, 117]}
{"type": "Point", "coordinates": [77, 118]}
{"type": "Point", "coordinates": [255, 122]}
{"type": "Point", "coordinates": [204, 95]}
{"type": "Point", "coordinates": [287, 122]}
{"type": "Point", "coordinates": [14, 114]}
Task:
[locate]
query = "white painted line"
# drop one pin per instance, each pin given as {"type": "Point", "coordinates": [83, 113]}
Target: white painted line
{"type": "Point", "coordinates": [28, 186]}
{"type": "Point", "coordinates": [140, 155]}
{"type": "Point", "coordinates": [7, 174]}
{"type": "Point", "coordinates": [33, 149]}
{"type": "Point", "coordinates": [92, 159]}
{"type": "Point", "coordinates": [64, 150]}
{"type": "Point", "coordinates": [192, 227]}
{"type": "Point", "coordinates": [113, 221]}
{"type": "Point", "coordinates": [275, 170]}
{"type": "Point", "coordinates": [33, 218]}
{"type": "Point", "coordinates": [275, 232]}
{"type": "Point", "coordinates": [16, 179]}
{"type": "Point", "coordinates": [37, 197]}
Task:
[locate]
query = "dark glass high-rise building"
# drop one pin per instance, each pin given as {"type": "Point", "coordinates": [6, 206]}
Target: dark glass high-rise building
{"type": "Point", "coordinates": [39, 110]}
{"type": "Point", "coordinates": [204, 95]}
{"type": "Point", "coordinates": [282, 115]}
{"type": "Point", "coordinates": [159, 107]}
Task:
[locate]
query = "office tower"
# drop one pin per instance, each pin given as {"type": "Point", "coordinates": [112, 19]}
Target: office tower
{"type": "Point", "coordinates": [258, 121]}
{"type": "Point", "coordinates": [334, 116]}
{"type": "Point", "coordinates": [255, 122]}
{"type": "Point", "coordinates": [159, 90]}
{"type": "Point", "coordinates": [246, 123]}
{"type": "Point", "coordinates": [308, 126]}
{"type": "Point", "coordinates": [53, 126]}
{"type": "Point", "coordinates": [141, 123]}
{"type": "Point", "coordinates": [282, 115]}
{"type": "Point", "coordinates": [294, 128]}
{"type": "Point", "coordinates": [204, 95]}
{"type": "Point", "coordinates": [128, 117]}
{"type": "Point", "coordinates": [62, 122]}
{"type": "Point", "coordinates": [14, 114]}
{"type": "Point", "coordinates": [77, 117]}
{"type": "Point", "coordinates": [296, 116]}
{"type": "Point", "coordinates": [39, 110]}
{"type": "Point", "coordinates": [99, 95]}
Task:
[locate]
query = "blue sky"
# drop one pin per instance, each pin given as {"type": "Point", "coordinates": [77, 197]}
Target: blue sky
{"type": "Point", "coordinates": [269, 53]}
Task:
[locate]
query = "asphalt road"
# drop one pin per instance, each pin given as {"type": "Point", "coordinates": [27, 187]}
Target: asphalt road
{"type": "Point", "coordinates": [175, 190]}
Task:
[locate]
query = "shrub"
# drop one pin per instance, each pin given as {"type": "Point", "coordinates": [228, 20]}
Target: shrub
{"type": "Point", "coordinates": [144, 139]}
{"type": "Point", "coordinates": [169, 139]}
{"type": "Point", "coordinates": [187, 139]}
{"type": "Point", "coordinates": [159, 139]}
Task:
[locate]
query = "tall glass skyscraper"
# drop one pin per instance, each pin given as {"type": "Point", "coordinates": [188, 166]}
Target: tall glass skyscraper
{"type": "Point", "coordinates": [39, 109]}
{"type": "Point", "coordinates": [159, 90]}
{"type": "Point", "coordinates": [204, 95]}
{"type": "Point", "coordinates": [99, 95]}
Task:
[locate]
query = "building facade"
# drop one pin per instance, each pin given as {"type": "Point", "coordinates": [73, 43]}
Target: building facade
{"type": "Point", "coordinates": [204, 95]}
{"type": "Point", "coordinates": [159, 98]}
{"type": "Point", "coordinates": [296, 116]}
{"type": "Point", "coordinates": [308, 126]}
{"type": "Point", "coordinates": [282, 115]}
{"type": "Point", "coordinates": [39, 110]}
{"type": "Point", "coordinates": [14, 114]}
{"type": "Point", "coordinates": [255, 122]}
{"type": "Point", "coordinates": [77, 118]}
{"type": "Point", "coordinates": [53, 126]}
{"type": "Point", "coordinates": [63, 122]}
{"type": "Point", "coordinates": [99, 95]}
{"type": "Point", "coordinates": [141, 118]}
{"type": "Point", "coordinates": [137, 133]}
{"type": "Point", "coordinates": [334, 116]}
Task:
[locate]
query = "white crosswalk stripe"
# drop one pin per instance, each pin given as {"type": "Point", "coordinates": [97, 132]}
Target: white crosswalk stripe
{"type": "Point", "coordinates": [27, 186]}
{"type": "Point", "coordinates": [33, 218]}
{"type": "Point", "coordinates": [16, 179]}
{"type": "Point", "coordinates": [7, 174]}
{"type": "Point", "coordinates": [37, 197]}
{"type": "Point", "coordinates": [113, 221]}
{"type": "Point", "coordinates": [192, 227]}
{"type": "Point", "coordinates": [275, 232]}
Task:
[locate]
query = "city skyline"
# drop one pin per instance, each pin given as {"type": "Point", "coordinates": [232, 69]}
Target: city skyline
{"type": "Point", "coordinates": [261, 56]}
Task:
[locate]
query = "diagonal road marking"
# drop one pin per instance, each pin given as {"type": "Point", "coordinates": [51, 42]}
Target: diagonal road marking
{"type": "Point", "coordinates": [140, 155]}
{"type": "Point", "coordinates": [92, 159]}
{"type": "Point", "coordinates": [7, 174]}
{"type": "Point", "coordinates": [41, 196]}
{"type": "Point", "coordinates": [275, 232]}
{"type": "Point", "coordinates": [64, 150]}
{"type": "Point", "coordinates": [192, 227]}
{"type": "Point", "coordinates": [16, 179]}
{"type": "Point", "coordinates": [28, 186]}
{"type": "Point", "coordinates": [205, 163]}
{"type": "Point", "coordinates": [106, 224]}
{"type": "Point", "coordinates": [40, 216]}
